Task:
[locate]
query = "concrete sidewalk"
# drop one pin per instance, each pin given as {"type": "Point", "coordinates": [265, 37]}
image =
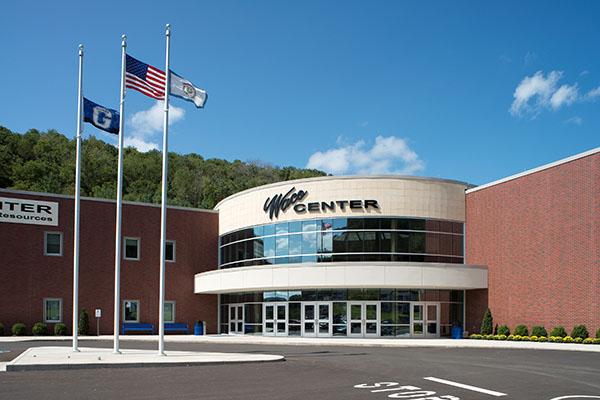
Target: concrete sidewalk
{"type": "Point", "coordinates": [46, 358]}
{"type": "Point", "coordinates": [303, 341]}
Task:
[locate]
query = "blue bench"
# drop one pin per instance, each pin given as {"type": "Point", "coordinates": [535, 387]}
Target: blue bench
{"type": "Point", "coordinates": [176, 327]}
{"type": "Point", "coordinates": [137, 327]}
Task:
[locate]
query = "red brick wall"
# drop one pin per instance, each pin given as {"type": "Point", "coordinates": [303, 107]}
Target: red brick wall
{"type": "Point", "coordinates": [27, 276]}
{"type": "Point", "coordinates": [539, 235]}
{"type": "Point", "coordinates": [476, 302]}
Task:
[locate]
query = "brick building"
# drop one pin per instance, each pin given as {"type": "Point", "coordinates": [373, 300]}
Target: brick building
{"type": "Point", "coordinates": [368, 256]}
{"type": "Point", "coordinates": [36, 263]}
{"type": "Point", "coordinates": [538, 232]}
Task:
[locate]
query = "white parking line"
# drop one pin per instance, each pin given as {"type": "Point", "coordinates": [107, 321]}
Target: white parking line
{"type": "Point", "coordinates": [468, 387]}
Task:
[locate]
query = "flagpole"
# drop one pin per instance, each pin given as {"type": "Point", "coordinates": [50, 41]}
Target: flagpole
{"type": "Point", "coordinates": [77, 200]}
{"type": "Point", "coordinates": [163, 209]}
{"type": "Point", "coordinates": [119, 201]}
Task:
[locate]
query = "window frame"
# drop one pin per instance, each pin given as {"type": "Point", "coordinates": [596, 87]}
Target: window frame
{"type": "Point", "coordinates": [138, 310]}
{"type": "Point", "coordinates": [139, 248]}
{"type": "Point", "coordinates": [174, 251]}
{"type": "Point", "coordinates": [60, 311]}
{"type": "Point", "coordinates": [174, 303]}
{"type": "Point", "coordinates": [60, 253]}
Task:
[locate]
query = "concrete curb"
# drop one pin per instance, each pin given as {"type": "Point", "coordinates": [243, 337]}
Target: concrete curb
{"type": "Point", "coordinates": [47, 367]}
{"type": "Point", "coordinates": [343, 342]}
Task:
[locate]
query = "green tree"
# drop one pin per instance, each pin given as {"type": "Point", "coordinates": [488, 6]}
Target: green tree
{"type": "Point", "coordinates": [487, 324]}
{"type": "Point", "coordinates": [45, 162]}
{"type": "Point", "coordinates": [83, 328]}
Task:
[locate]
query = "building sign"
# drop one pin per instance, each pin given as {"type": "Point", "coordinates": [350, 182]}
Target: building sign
{"type": "Point", "coordinates": [25, 211]}
{"type": "Point", "coordinates": [282, 202]}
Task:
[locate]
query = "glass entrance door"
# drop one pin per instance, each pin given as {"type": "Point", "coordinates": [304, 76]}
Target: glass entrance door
{"type": "Point", "coordinates": [236, 318]}
{"type": "Point", "coordinates": [432, 320]}
{"type": "Point", "coordinates": [275, 319]}
{"type": "Point", "coordinates": [417, 319]}
{"type": "Point", "coordinates": [425, 320]}
{"type": "Point", "coordinates": [316, 319]}
{"type": "Point", "coordinates": [363, 319]}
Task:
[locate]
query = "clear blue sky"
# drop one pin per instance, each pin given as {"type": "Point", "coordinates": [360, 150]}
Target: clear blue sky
{"type": "Point", "coordinates": [436, 81]}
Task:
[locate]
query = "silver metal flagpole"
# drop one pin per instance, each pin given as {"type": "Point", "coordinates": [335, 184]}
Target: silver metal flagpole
{"type": "Point", "coordinates": [119, 200]}
{"type": "Point", "coordinates": [77, 198]}
{"type": "Point", "coordinates": [163, 209]}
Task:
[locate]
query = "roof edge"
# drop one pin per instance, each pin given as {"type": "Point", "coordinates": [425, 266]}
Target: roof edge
{"type": "Point", "coordinates": [134, 203]}
{"type": "Point", "coordinates": [342, 177]}
{"type": "Point", "coordinates": [537, 169]}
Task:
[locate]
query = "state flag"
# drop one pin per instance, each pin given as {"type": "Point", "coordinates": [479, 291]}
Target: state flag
{"type": "Point", "coordinates": [184, 89]}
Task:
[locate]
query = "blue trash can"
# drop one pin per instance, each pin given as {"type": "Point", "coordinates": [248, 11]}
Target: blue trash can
{"type": "Point", "coordinates": [198, 328]}
{"type": "Point", "coordinates": [457, 332]}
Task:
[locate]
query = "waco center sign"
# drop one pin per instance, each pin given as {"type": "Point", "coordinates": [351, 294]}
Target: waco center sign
{"type": "Point", "coordinates": [25, 211]}
{"type": "Point", "coordinates": [281, 202]}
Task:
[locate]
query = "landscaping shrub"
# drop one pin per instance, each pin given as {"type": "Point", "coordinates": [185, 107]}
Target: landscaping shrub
{"type": "Point", "coordinates": [2, 330]}
{"type": "Point", "coordinates": [501, 337]}
{"type": "Point", "coordinates": [533, 338]}
{"type": "Point", "coordinates": [475, 336]}
{"type": "Point", "coordinates": [39, 329]}
{"type": "Point", "coordinates": [542, 339]}
{"type": "Point", "coordinates": [579, 331]}
{"type": "Point", "coordinates": [18, 329]}
{"type": "Point", "coordinates": [538, 331]}
{"type": "Point", "coordinates": [521, 330]}
{"type": "Point", "coordinates": [597, 341]}
{"type": "Point", "coordinates": [84, 323]}
{"type": "Point", "coordinates": [567, 339]}
{"type": "Point", "coordinates": [577, 340]}
{"type": "Point", "coordinates": [487, 324]}
{"type": "Point", "coordinates": [60, 329]}
{"type": "Point", "coordinates": [588, 341]}
{"type": "Point", "coordinates": [503, 330]}
{"type": "Point", "coordinates": [598, 334]}
{"type": "Point", "coordinates": [558, 331]}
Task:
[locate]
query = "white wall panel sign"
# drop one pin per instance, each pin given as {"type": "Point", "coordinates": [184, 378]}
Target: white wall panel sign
{"type": "Point", "coordinates": [25, 211]}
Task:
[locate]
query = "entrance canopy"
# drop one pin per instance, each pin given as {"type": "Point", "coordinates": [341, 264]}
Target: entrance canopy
{"type": "Point", "coordinates": [343, 275]}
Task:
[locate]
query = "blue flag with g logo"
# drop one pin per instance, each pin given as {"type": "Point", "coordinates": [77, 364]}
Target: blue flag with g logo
{"type": "Point", "coordinates": [101, 117]}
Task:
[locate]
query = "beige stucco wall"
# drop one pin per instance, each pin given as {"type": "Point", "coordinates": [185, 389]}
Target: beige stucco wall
{"type": "Point", "coordinates": [397, 196]}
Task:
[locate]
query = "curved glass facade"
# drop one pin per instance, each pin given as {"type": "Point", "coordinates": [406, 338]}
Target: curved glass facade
{"type": "Point", "coordinates": [344, 239]}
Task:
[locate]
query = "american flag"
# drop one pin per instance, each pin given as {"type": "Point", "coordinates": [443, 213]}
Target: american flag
{"type": "Point", "coordinates": [144, 78]}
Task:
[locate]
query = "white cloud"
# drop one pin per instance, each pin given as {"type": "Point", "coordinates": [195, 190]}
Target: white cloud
{"type": "Point", "coordinates": [388, 155]}
{"type": "Point", "coordinates": [145, 125]}
{"type": "Point", "coordinates": [564, 95]}
{"type": "Point", "coordinates": [534, 92]}
{"type": "Point", "coordinates": [574, 121]}
{"type": "Point", "coordinates": [593, 94]}
{"type": "Point", "coordinates": [139, 144]}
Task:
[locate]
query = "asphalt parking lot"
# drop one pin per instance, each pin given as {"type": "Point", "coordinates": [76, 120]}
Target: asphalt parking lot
{"type": "Point", "coordinates": [320, 372]}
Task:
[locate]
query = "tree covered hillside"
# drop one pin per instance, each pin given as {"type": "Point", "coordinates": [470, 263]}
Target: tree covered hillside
{"type": "Point", "coordinates": [45, 162]}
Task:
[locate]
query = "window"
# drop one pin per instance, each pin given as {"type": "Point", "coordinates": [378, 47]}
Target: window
{"type": "Point", "coordinates": [131, 311]}
{"type": "Point", "coordinates": [169, 311]}
{"type": "Point", "coordinates": [170, 250]}
{"type": "Point", "coordinates": [52, 310]}
{"type": "Point", "coordinates": [131, 248]}
{"type": "Point", "coordinates": [53, 243]}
